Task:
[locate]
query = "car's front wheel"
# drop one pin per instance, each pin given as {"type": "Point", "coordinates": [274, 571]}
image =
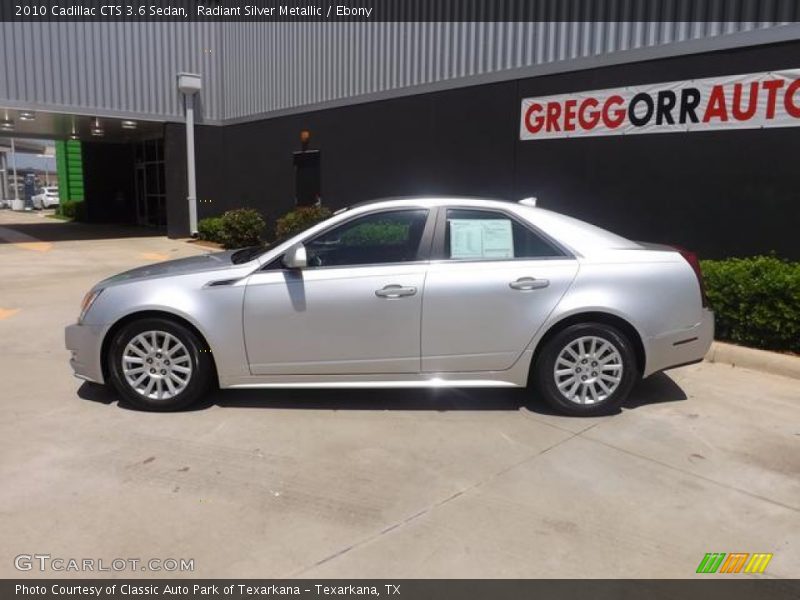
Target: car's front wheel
{"type": "Point", "coordinates": [586, 369]}
{"type": "Point", "coordinates": [158, 364]}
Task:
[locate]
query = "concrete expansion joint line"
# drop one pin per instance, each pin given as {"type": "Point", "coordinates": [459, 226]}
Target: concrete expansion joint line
{"type": "Point", "coordinates": [405, 521]}
{"type": "Point", "coordinates": [695, 475]}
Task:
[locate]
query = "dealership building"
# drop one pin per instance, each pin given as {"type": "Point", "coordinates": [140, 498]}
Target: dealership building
{"type": "Point", "coordinates": [680, 132]}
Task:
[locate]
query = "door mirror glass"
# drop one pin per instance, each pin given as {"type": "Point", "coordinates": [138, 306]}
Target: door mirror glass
{"type": "Point", "coordinates": [295, 257]}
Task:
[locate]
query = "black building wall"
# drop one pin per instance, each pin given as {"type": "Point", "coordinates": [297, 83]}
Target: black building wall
{"type": "Point", "coordinates": [109, 186]}
{"type": "Point", "coordinates": [720, 193]}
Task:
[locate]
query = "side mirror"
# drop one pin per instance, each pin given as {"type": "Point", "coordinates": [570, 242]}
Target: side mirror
{"type": "Point", "coordinates": [295, 257]}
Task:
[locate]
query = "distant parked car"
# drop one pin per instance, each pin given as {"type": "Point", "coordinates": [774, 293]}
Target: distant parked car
{"type": "Point", "coordinates": [420, 292]}
{"type": "Point", "coordinates": [46, 198]}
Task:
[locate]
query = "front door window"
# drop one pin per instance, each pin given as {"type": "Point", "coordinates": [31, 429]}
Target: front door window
{"type": "Point", "coordinates": [379, 238]}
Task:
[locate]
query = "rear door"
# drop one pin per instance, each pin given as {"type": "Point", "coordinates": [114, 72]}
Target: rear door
{"type": "Point", "coordinates": [492, 285]}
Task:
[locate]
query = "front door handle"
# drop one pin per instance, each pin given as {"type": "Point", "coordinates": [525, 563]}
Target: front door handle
{"type": "Point", "coordinates": [395, 291]}
{"type": "Point", "coordinates": [529, 283]}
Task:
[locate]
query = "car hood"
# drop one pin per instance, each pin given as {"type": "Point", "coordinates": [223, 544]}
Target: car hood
{"type": "Point", "coordinates": [181, 266]}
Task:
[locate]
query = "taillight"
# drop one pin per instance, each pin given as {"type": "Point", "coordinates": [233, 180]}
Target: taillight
{"type": "Point", "coordinates": [691, 258]}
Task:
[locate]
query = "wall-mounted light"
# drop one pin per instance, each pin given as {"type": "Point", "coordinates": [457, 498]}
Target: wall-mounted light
{"type": "Point", "coordinates": [305, 136]}
{"type": "Point", "coordinates": [27, 115]}
{"type": "Point", "coordinates": [97, 130]}
{"type": "Point", "coordinates": [6, 124]}
{"type": "Point", "coordinates": [129, 124]}
{"type": "Point", "coordinates": [73, 135]}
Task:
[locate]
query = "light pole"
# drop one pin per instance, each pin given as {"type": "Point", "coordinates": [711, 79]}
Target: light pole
{"type": "Point", "coordinates": [2, 179]}
{"type": "Point", "coordinates": [16, 203]}
{"type": "Point", "coordinates": [189, 84]}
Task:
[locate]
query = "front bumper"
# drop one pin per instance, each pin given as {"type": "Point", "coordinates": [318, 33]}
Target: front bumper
{"type": "Point", "coordinates": [682, 347]}
{"type": "Point", "coordinates": [85, 342]}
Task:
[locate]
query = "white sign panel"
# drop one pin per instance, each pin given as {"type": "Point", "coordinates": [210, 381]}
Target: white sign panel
{"type": "Point", "coordinates": [735, 102]}
{"type": "Point", "coordinates": [481, 238]}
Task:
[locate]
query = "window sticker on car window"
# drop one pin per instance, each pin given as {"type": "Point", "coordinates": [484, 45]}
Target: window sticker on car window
{"type": "Point", "coordinates": [481, 238]}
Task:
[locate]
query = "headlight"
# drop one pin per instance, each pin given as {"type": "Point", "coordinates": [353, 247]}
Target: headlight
{"type": "Point", "coordinates": [88, 300]}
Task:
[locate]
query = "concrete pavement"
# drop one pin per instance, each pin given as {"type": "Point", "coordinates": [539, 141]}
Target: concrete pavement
{"type": "Point", "coordinates": [373, 483]}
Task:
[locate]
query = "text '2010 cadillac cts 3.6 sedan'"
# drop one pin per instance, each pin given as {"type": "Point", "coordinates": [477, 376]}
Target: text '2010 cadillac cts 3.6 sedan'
{"type": "Point", "coordinates": [416, 292]}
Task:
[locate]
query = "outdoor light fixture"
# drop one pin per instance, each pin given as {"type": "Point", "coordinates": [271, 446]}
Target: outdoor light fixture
{"type": "Point", "coordinates": [189, 83]}
{"type": "Point", "coordinates": [129, 124]}
{"type": "Point", "coordinates": [97, 130]}
{"type": "Point", "coordinates": [6, 124]}
{"type": "Point", "coordinates": [305, 136]}
{"type": "Point", "coordinates": [27, 115]}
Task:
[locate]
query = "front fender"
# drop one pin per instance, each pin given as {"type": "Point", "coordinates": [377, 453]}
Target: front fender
{"type": "Point", "coordinates": [214, 311]}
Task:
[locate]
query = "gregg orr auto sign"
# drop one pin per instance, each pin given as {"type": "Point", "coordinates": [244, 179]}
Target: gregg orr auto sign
{"type": "Point", "coordinates": [735, 102]}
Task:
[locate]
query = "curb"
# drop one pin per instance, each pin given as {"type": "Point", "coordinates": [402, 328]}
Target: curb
{"type": "Point", "coordinates": [757, 360]}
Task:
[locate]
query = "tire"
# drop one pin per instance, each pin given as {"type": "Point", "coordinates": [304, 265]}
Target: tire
{"type": "Point", "coordinates": [611, 363]}
{"type": "Point", "coordinates": [179, 376]}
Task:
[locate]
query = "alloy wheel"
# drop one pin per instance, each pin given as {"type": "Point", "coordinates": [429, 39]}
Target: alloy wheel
{"type": "Point", "coordinates": [588, 370]}
{"type": "Point", "coordinates": [157, 365]}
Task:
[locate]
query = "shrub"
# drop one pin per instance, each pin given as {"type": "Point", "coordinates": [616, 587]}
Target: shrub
{"type": "Point", "coordinates": [210, 229]}
{"type": "Point", "coordinates": [756, 300]}
{"type": "Point", "coordinates": [72, 209]}
{"type": "Point", "coordinates": [241, 227]}
{"type": "Point", "coordinates": [385, 232]}
{"type": "Point", "coordinates": [299, 220]}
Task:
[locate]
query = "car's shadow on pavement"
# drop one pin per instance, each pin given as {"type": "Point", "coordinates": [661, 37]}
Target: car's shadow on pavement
{"type": "Point", "coordinates": [656, 389]}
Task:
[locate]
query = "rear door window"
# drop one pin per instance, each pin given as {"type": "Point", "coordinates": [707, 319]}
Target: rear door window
{"type": "Point", "coordinates": [492, 235]}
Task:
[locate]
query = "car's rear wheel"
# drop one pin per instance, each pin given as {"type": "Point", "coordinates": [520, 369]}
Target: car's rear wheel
{"type": "Point", "coordinates": [586, 369]}
{"type": "Point", "coordinates": [158, 364]}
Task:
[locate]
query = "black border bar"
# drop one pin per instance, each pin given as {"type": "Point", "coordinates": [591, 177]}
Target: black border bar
{"type": "Point", "coordinates": [708, 587]}
{"type": "Point", "coordinates": [772, 11]}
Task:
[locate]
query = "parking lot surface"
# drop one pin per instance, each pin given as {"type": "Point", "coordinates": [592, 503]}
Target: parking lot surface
{"type": "Point", "coordinates": [446, 483]}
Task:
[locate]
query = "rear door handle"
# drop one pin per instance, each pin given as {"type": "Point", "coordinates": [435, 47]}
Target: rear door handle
{"type": "Point", "coordinates": [529, 283]}
{"type": "Point", "coordinates": [395, 291]}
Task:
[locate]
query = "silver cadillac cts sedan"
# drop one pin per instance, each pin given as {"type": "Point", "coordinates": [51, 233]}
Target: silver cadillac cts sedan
{"type": "Point", "coordinates": [412, 292]}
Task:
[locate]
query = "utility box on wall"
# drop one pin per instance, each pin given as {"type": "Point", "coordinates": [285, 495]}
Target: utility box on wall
{"type": "Point", "coordinates": [307, 177]}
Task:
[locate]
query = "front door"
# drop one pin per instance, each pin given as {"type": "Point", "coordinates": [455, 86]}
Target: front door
{"type": "Point", "coordinates": [356, 309]}
{"type": "Point", "coordinates": [494, 285]}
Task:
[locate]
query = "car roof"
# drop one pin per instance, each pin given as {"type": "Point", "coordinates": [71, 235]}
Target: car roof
{"type": "Point", "coordinates": [578, 235]}
{"type": "Point", "coordinates": [430, 201]}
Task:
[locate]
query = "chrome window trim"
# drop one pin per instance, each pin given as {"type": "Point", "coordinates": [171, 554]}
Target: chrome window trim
{"type": "Point", "coordinates": [424, 249]}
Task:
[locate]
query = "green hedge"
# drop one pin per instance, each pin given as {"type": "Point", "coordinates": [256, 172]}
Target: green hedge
{"type": "Point", "coordinates": [234, 229]}
{"type": "Point", "coordinates": [210, 229]}
{"type": "Point", "coordinates": [381, 232]}
{"type": "Point", "coordinates": [756, 301]}
{"type": "Point", "coordinates": [72, 209]}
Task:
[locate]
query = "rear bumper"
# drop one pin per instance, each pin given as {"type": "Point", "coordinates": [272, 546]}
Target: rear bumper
{"type": "Point", "coordinates": [84, 342]}
{"type": "Point", "coordinates": [681, 347]}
